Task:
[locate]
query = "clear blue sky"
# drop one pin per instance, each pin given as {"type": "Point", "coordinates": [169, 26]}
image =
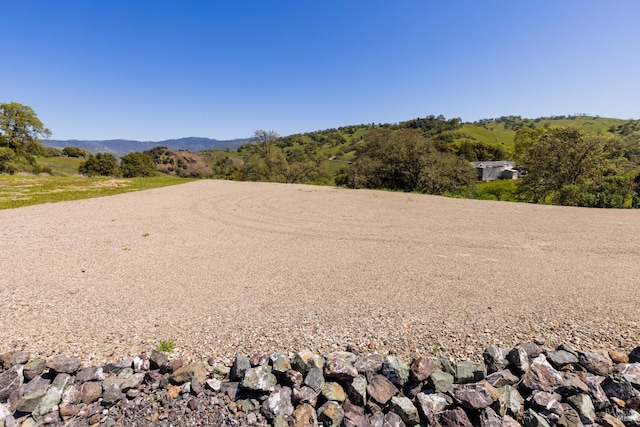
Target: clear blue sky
{"type": "Point", "coordinates": [155, 69]}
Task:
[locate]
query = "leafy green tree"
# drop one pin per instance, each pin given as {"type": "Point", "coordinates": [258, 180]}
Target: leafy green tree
{"type": "Point", "coordinates": [524, 139]}
{"type": "Point", "coordinates": [102, 164]}
{"type": "Point", "coordinates": [75, 152]}
{"type": "Point", "coordinates": [137, 164]}
{"type": "Point", "coordinates": [20, 133]}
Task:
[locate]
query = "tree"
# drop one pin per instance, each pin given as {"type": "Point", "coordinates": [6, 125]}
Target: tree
{"type": "Point", "coordinates": [564, 163]}
{"type": "Point", "coordinates": [137, 164]}
{"type": "Point", "coordinates": [20, 133]}
{"type": "Point", "coordinates": [75, 152]}
{"type": "Point", "coordinates": [102, 164]}
{"type": "Point", "coordinates": [524, 139]}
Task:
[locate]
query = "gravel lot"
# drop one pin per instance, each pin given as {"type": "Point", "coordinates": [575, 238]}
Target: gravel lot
{"type": "Point", "coordinates": [230, 267]}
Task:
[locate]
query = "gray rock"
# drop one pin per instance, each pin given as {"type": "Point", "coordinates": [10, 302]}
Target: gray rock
{"type": "Point", "coordinates": [441, 381]}
{"type": "Point", "coordinates": [519, 358]}
{"type": "Point", "coordinates": [541, 376]}
{"type": "Point", "coordinates": [293, 378]}
{"type": "Point", "coordinates": [241, 365]}
{"type": "Point", "coordinates": [259, 359]}
{"type": "Point", "coordinates": [475, 396]}
{"type": "Point", "coordinates": [90, 374]}
{"type": "Point", "coordinates": [278, 404]}
{"type": "Point", "coordinates": [90, 392]}
{"type": "Point", "coordinates": [33, 368]}
{"type": "Point", "coordinates": [126, 373]}
{"type": "Point", "coordinates": [511, 400]}
{"type": "Point", "coordinates": [33, 393]}
{"type": "Point", "coordinates": [381, 389]}
{"type": "Point", "coordinates": [616, 385]}
{"type": "Point", "coordinates": [305, 360]}
{"type": "Point", "coordinates": [10, 380]}
{"type": "Point", "coordinates": [13, 358]}
{"type": "Point", "coordinates": [184, 374]}
{"type": "Point", "coordinates": [559, 358]}
{"type": "Point", "coordinates": [598, 396]}
{"type": "Point", "coordinates": [71, 395]}
{"type": "Point", "coordinates": [116, 367]}
{"type": "Point", "coordinates": [405, 409]}
{"type": "Point", "coordinates": [396, 370]}
{"type": "Point", "coordinates": [280, 363]}
{"type": "Point", "coordinates": [280, 421]}
{"type": "Point", "coordinates": [330, 414]}
{"type": "Point", "coordinates": [489, 418]}
{"type": "Point", "coordinates": [533, 419]}
{"type": "Point", "coordinates": [158, 359]}
{"type": "Point", "coordinates": [495, 358]}
{"type": "Point", "coordinates": [53, 396]}
{"type": "Point", "coordinates": [584, 407]}
{"type": "Point", "coordinates": [134, 381]}
{"type": "Point", "coordinates": [468, 372]}
{"type": "Point", "coordinates": [571, 384]}
{"type": "Point", "coordinates": [111, 394]}
{"type": "Point", "coordinates": [456, 417]}
{"type": "Point", "coordinates": [595, 363]}
{"type": "Point", "coordinates": [549, 402]}
{"type": "Point", "coordinates": [305, 416]}
{"type": "Point", "coordinates": [354, 416]}
{"type": "Point", "coordinates": [306, 395]}
{"type": "Point", "coordinates": [141, 363]}
{"type": "Point", "coordinates": [62, 364]}
{"type": "Point", "coordinates": [631, 372]}
{"type": "Point", "coordinates": [432, 404]}
{"type": "Point", "coordinates": [446, 365]}
{"type": "Point", "coordinates": [422, 368]}
{"type": "Point", "coordinates": [357, 390]}
{"type": "Point", "coordinates": [259, 378]}
{"type": "Point", "coordinates": [508, 421]}
{"type": "Point", "coordinates": [314, 378]}
{"type": "Point", "coordinates": [502, 378]}
{"type": "Point", "coordinates": [370, 364]}
{"type": "Point", "coordinates": [333, 391]}
{"type": "Point", "coordinates": [631, 418]}
{"type": "Point", "coordinates": [391, 419]}
{"type": "Point", "coordinates": [339, 367]}
{"type": "Point", "coordinates": [230, 389]}
{"type": "Point", "coordinates": [213, 384]}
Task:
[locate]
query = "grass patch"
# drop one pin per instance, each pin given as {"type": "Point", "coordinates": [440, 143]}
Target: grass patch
{"type": "Point", "coordinates": [24, 190]}
{"type": "Point", "coordinates": [166, 346]}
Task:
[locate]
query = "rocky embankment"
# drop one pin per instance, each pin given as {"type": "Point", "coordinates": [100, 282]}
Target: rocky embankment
{"type": "Point", "coordinates": [523, 386]}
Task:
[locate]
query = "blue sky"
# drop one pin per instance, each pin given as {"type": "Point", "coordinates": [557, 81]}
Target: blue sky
{"type": "Point", "coordinates": [155, 69]}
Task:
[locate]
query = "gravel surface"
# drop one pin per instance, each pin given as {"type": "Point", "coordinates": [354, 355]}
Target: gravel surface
{"type": "Point", "coordinates": [230, 267]}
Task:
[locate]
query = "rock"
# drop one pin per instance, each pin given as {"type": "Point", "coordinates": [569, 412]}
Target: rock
{"type": "Point", "coordinates": [357, 390]}
{"type": "Point", "coordinates": [571, 384]}
{"type": "Point", "coordinates": [432, 404]}
{"type": "Point", "coordinates": [141, 363]}
{"type": "Point", "coordinates": [616, 385]}
{"type": "Point", "coordinates": [134, 381]}
{"type": "Point", "coordinates": [631, 418]}
{"type": "Point", "coordinates": [333, 391]}
{"type": "Point", "coordinates": [306, 395]}
{"type": "Point", "coordinates": [259, 359]}
{"type": "Point", "coordinates": [495, 358]}
{"type": "Point", "coordinates": [293, 378]}
{"type": "Point", "coordinates": [618, 357]}
{"type": "Point", "coordinates": [441, 381]}
{"type": "Point", "coordinates": [53, 396]}
{"type": "Point", "coordinates": [90, 392]}
{"type": "Point", "coordinates": [112, 394]}
{"type": "Point", "coordinates": [511, 400]}
{"type": "Point", "coordinates": [90, 374]}
{"type": "Point", "coordinates": [422, 368]}
{"type": "Point", "coordinates": [381, 389]}
{"type": "Point", "coordinates": [533, 419]}
{"type": "Point", "coordinates": [305, 360]}
{"type": "Point", "coordinates": [314, 378]}
{"type": "Point", "coordinates": [631, 372]}
{"type": "Point", "coordinates": [33, 393]}
{"type": "Point", "coordinates": [280, 363]}
{"type": "Point", "coordinates": [158, 359]}
{"type": "Point", "coordinates": [468, 372]}
{"type": "Point", "coordinates": [508, 421]}
{"type": "Point", "coordinates": [230, 389]}
{"type": "Point", "coordinates": [354, 416]}
{"type": "Point", "coordinates": [595, 363]}
{"type": "Point", "coordinates": [541, 376]}
{"type": "Point", "coordinates": [71, 395]}
{"type": "Point", "coordinates": [116, 367]}
{"type": "Point", "coordinates": [66, 365]}
{"type": "Point", "coordinates": [10, 380]}
{"type": "Point", "coordinates": [278, 404]}
{"type": "Point", "coordinates": [634, 356]}
{"type": "Point", "coordinates": [305, 416]}
{"type": "Point", "coordinates": [370, 364]}
{"type": "Point", "coordinates": [213, 384]}
{"type": "Point", "coordinates": [598, 396]}
{"type": "Point", "coordinates": [455, 418]}
{"type": "Point", "coordinates": [176, 364]}
{"type": "Point", "coordinates": [560, 358]}
{"type": "Point", "coordinates": [502, 378]}
{"type": "Point", "coordinates": [519, 358]}
{"type": "Point", "coordinates": [489, 418]}
{"type": "Point", "coordinates": [549, 402]}
{"type": "Point", "coordinates": [330, 414]}
{"type": "Point", "coordinates": [13, 358]}
{"type": "Point", "coordinates": [259, 378]}
{"type": "Point", "coordinates": [396, 370]}
{"type": "Point", "coordinates": [391, 419]}
{"type": "Point", "coordinates": [33, 368]}
{"type": "Point", "coordinates": [584, 407]}
{"type": "Point", "coordinates": [474, 396]}
{"type": "Point", "coordinates": [241, 364]}
{"type": "Point", "coordinates": [339, 367]}
{"type": "Point", "coordinates": [184, 374]}
{"type": "Point", "coordinates": [607, 420]}
{"type": "Point", "coordinates": [280, 421]}
{"type": "Point", "coordinates": [406, 410]}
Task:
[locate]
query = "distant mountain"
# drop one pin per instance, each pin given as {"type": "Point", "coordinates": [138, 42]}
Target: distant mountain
{"type": "Point", "coordinates": [121, 147]}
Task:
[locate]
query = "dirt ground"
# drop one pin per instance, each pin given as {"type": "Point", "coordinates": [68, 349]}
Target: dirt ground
{"type": "Point", "coordinates": [230, 267]}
